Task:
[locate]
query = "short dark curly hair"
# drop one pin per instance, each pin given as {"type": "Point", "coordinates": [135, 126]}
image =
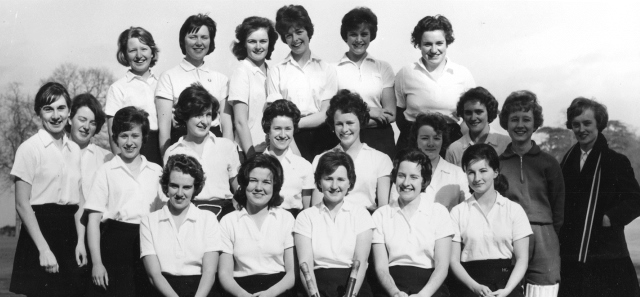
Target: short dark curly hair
{"type": "Point", "coordinates": [483, 151]}
{"type": "Point", "coordinates": [329, 163]}
{"type": "Point", "coordinates": [436, 121]}
{"type": "Point", "coordinates": [192, 102]}
{"type": "Point", "coordinates": [432, 23]}
{"type": "Point", "coordinates": [356, 17]}
{"type": "Point", "coordinates": [145, 38]}
{"type": "Point", "coordinates": [187, 165]}
{"type": "Point", "coordinates": [87, 100]}
{"type": "Point", "coordinates": [280, 107]}
{"type": "Point", "coordinates": [348, 102]}
{"type": "Point", "coordinates": [415, 156]}
{"type": "Point", "coordinates": [192, 24]}
{"type": "Point", "coordinates": [481, 95]}
{"type": "Point", "coordinates": [580, 104]}
{"type": "Point", "coordinates": [49, 93]}
{"type": "Point", "coordinates": [521, 101]}
{"type": "Point", "coordinates": [126, 119]}
{"type": "Point", "coordinates": [260, 161]}
{"type": "Point", "coordinates": [293, 16]}
{"type": "Point", "coordinates": [248, 26]}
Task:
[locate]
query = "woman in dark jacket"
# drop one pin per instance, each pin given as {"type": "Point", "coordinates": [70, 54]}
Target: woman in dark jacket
{"type": "Point", "coordinates": [602, 196]}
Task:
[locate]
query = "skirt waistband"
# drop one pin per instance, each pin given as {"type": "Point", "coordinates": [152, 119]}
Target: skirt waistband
{"type": "Point", "coordinates": [121, 226]}
{"type": "Point", "coordinates": [52, 209]}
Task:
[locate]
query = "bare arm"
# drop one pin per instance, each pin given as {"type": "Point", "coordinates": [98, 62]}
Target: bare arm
{"type": "Point", "coordinates": [164, 108]}
{"type": "Point", "coordinates": [226, 276]}
{"type": "Point", "coordinates": [240, 118]}
{"type": "Point", "coordinates": [152, 266]}
{"type": "Point", "coordinates": [316, 197]}
{"type": "Point", "coordinates": [98, 272]}
{"type": "Point", "coordinates": [305, 255]}
{"type": "Point", "coordinates": [442, 258]}
{"type": "Point", "coordinates": [363, 247]}
{"type": "Point", "coordinates": [386, 114]}
{"type": "Point", "coordinates": [381, 260]}
{"type": "Point", "coordinates": [287, 281]}
{"type": "Point", "coordinates": [316, 119]}
{"type": "Point", "coordinates": [382, 190]}
{"type": "Point", "coordinates": [462, 274]}
{"type": "Point", "coordinates": [209, 268]}
{"type": "Point", "coordinates": [226, 122]}
{"type": "Point", "coordinates": [81, 249]}
{"type": "Point", "coordinates": [114, 147]}
{"type": "Point", "coordinates": [306, 198]}
{"type": "Point", "coordinates": [521, 253]}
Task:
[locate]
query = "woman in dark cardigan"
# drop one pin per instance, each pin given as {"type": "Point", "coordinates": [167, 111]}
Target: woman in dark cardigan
{"type": "Point", "coordinates": [602, 196]}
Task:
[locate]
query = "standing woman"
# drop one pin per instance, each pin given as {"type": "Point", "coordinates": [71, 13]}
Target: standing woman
{"type": "Point", "coordinates": [46, 171]}
{"type": "Point", "coordinates": [179, 243]}
{"type": "Point", "coordinates": [256, 38]}
{"type": "Point", "coordinates": [257, 242]}
{"type": "Point", "coordinates": [434, 83]}
{"type": "Point", "coordinates": [304, 79]}
{"type": "Point", "coordinates": [412, 239]}
{"type": "Point", "coordinates": [490, 230]}
{"type": "Point", "coordinates": [280, 121]}
{"type": "Point", "coordinates": [346, 115]}
{"type": "Point", "coordinates": [138, 50]}
{"type": "Point", "coordinates": [602, 197]}
{"type": "Point", "coordinates": [196, 41]}
{"type": "Point", "coordinates": [371, 78]}
{"type": "Point", "coordinates": [334, 232]}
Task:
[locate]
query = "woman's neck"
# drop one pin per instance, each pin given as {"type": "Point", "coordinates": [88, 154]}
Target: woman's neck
{"type": "Point", "coordinates": [144, 74]}
{"type": "Point", "coordinates": [409, 207]}
{"type": "Point", "coordinates": [521, 148]}
{"type": "Point", "coordinates": [486, 199]}
{"type": "Point", "coordinates": [434, 163]}
{"type": "Point", "coordinates": [303, 58]}
{"type": "Point", "coordinates": [356, 58]}
{"type": "Point", "coordinates": [353, 149]}
{"type": "Point", "coordinates": [277, 152]}
{"type": "Point", "coordinates": [256, 210]}
{"type": "Point", "coordinates": [432, 68]}
{"type": "Point", "coordinates": [481, 136]}
{"type": "Point", "coordinates": [194, 139]}
{"type": "Point", "coordinates": [178, 214]}
{"type": "Point", "coordinates": [194, 62]}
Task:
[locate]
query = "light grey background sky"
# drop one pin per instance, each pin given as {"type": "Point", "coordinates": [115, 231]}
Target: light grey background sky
{"type": "Point", "coordinates": [558, 50]}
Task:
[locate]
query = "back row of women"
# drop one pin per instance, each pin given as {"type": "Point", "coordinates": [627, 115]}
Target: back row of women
{"type": "Point", "coordinates": [492, 245]}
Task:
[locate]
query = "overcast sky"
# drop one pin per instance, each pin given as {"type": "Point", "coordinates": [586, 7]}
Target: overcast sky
{"type": "Point", "coordinates": [557, 50]}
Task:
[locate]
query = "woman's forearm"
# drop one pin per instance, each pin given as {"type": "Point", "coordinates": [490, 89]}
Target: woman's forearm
{"type": "Point", "coordinates": [164, 108]}
{"type": "Point", "coordinates": [209, 268]}
{"type": "Point", "coordinates": [27, 215]}
{"type": "Point", "coordinates": [521, 253]}
{"type": "Point", "coordinates": [226, 123]}
{"type": "Point", "coordinates": [93, 237]}
{"type": "Point", "coordinates": [442, 258]}
{"type": "Point", "coordinates": [152, 266]}
{"type": "Point", "coordinates": [240, 113]}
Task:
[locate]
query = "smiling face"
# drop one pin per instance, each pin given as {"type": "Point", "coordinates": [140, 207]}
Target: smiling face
{"type": "Point", "coordinates": [475, 116]}
{"type": "Point", "coordinates": [83, 126]}
{"type": "Point", "coordinates": [585, 128]}
{"type": "Point", "coordinates": [520, 126]}
{"type": "Point", "coordinates": [433, 47]}
{"type": "Point", "coordinates": [358, 40]}
{"type": "Point", "coordinates": [260, 188]}
{"type": "Point", "coordinates": [298, 41]}
{"type": "Point", "coordinates": [198, 126]}
{"type": "Point", "coordinates": [54, 116]}
{"type": "Point", "coordinates": [139, 56]}
{"type": "Point", "coordinates": [335, 186]}
{"type": "Point", "coordinates": [130, 143]}
{"type": "Point", "coordinates": [280, 133]}
{"type": "Point", "coordinates": [257, 45]}
{"type": "Point", "coordinates": [429, 142]}
{"type": "Point", "coordinates": [409, 181]}
{"type": "Point", "coordinates": [480, 176]}
{"type": "Point", "coordinates": [347, 128]}
{"type": "Point", "coordinates": [180, 190]}
{"type": "Point", "coordinates": [196, 45]}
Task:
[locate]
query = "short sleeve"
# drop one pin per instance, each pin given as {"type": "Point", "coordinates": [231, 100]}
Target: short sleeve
{"type": "Point", "coordinates": [469, 81]}
{"type": "Point", "coordinates": [212, 236]}
{"type": "Point", "coordinates": [146, 238]}
{"type": "Point", "coordinates": [401, 101]}
{"type": "Point", "coordinates": [114, 101]}
{"type": "Point", "coordinates": [25, 162]}
{"type": "Point", "coordinates": [443, 219]}
{"type": "Point", "coordinates": [234, 160]}
{"type": "Point", "coordinates": [224, 87]}
{"type": "Point", "coordinates": [455, 221]}
{"type": "Point", "coordinates": [98, 199]}
{"type": "Point", "coordinates": [239, 85]}
{"type": "Point", "coordinates": [273, 83]}
{"type": "Point", "coordinates": [331, 87]}
{"type": "Point", "coordinates": [363, 220]}
{"type": "Point", "coordinates": [303, 224]}
{"type": "Point", "coordinates": [308, 182]}
{"type": "Point", "coordinates": [227, 235]}
{"type": "Point", "coordinates": [388, 78]}
{"type": "Point", "coordinates": [164, 89]}
{"type": "Point", "coordinates": [289, 223]}
{"type": "Point", "coordinates": [520, 222]}
{"type": "Point", "coordinates": [378, 221]}
{"type": "Point", "coordinates": [386, 166]}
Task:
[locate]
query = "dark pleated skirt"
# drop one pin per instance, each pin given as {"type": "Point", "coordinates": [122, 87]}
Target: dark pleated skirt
{"type": "Point", "coordinates": [314, 141]}
{"type": "Point", "coordinates": [120, 252]}
{"type": "Point", "coordinates": [258, 283]}
{"type": "Point", "coordinates": [380, 138]}
{"type": "Point", "coordinates": [412, 280]}
{"type": "Point", "coordinates": [491, 273]}
{"type": "Point", "coordinates": [58, 227]}
{"type": "Point", "coordinates": [151, 148]}
{"type": "Point", "coordinates": [187, 285]}
{"type": "Point", "coordinates": [332, 282]}
{"type": "Point", "coordinates": [599, 278]}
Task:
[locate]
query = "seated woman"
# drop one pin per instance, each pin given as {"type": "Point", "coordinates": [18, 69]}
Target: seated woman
{"type": "Point", "coordinates": [195, 111]}
{"type": "Point", "coordinates": [179, 243]}
{"type": "Point", "coordinates": [333, 233]}
{"type": "Point", "coordinates": [257, 241]}
{"type": "Point", "coordinates": [490, 230]}
{"type": "Point", "coordinates": [346, 115]}
{"type": "Point", "coordinates": [412, 239]}
{"type": "Point", "coordinates": [280, 122]}
{"type": "Point", "coordinates": [448, 186]}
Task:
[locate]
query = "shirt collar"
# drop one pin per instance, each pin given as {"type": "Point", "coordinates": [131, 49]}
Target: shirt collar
{"type": "Point", "coordinates": [492, 139]}
{"type": "Point", "coordinates": [47, 139]}
{"type": "Point", "coordinates": [364, 147]}
{"type": "Point", "coordinates": [423, 207]}
{"type": "Point", "coordinates": [500, 200]}
{"type": "Point", "coordinates": [509, 152]}
{"type": "Point", "coordinates": [287, 156]}
{"type": "Point", "coordinates": [289, 59]}
{"type": "Point", "coordinates": [131, 76]}
{"type": "Point", "coordinates": [118, 163]}
{"type": "Point", "coordinates": [253, 67]}
{"type": "Point", "coordinates": [213, 137]}
{"type": "Point", "coordinates": [165, 214]}
{"type": "Point", "coordinates": [346, 59]}
{"type": "Point", "coordinates": [447, 65]}
{"type": "Point", "coordinates": [346, 206]}
{"type": "Point", "coordinates": [243, 211]}
{"type": "Point", "coordinates": [188, 66]}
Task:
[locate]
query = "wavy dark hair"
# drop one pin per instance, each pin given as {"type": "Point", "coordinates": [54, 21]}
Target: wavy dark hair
{"type": "Point", "coordinates": [483, 151]}
{"type": "Point", "coordinates": [521, 101]}
{"type": "Point", "coordinates": [280, 107]}
{"type": "Point", "coordinates": [293, 16]}
{"type": "Point", "coordinates": [580, 104]}
{"type": "Point", "coordinates": [128, 117]}
{"type": "Point", "coordinates": [192, 102]}
{"type": "Point", "coordinates": [145, 38]}
{"type": "Point", "coordinates": [248, 26]}
{"type": "Point", "coordinates": [93, 104]}
{"type": "Point", "coordinates": [413, 155]}
{"type": "Point", "coordinates": [348, 102]}
{"type": "Point", "coordinates": [260, 161]}
{"type": "Point", "coordinates": [432, 23]}
{"type": "Point", "coordinates": [187, 165]}
{"type": "Point", "coordinates": [436, 121]}
{"type": "Point", "coordinates": [329, 163]}
{"type": "Point", "coordinates": [356, 17]}
{"type": "Point", "coordinates": [481, 95]}
{"type": "Point", "coordinates": [49, 93]}
{"type": "Point", "coordinates": [192, 24]}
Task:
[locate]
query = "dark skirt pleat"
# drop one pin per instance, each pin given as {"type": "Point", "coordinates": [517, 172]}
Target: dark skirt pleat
{"type": "Point", "coordinates": [491, 273]}
{"type": "Point", "coordinates": [380, 138]}
{"type": "Point", "coordinates": [412, 280]}
{"type": "Point", "coordinates": [314, 141]}
{"type": "Point", "coordinates": [332, 282]}
{"type": "Point", "coordinates": [151, 148]}
{"type": "Point", "coordinates": [258, 283]}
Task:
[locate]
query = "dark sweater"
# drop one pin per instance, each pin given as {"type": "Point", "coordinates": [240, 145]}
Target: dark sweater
{"type": "Point", "coordinates": [536, 183]}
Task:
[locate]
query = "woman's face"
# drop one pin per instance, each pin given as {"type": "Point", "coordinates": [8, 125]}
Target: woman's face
{"type": "Point", "coordinates": [585, 128]}
{"type": "Point", "coordinates": [180, 190]}
{"type": "Point", "coordinates": [130, 143]}
{"type": "Point", "coordinates": [475, 116]}
{"type": "Point", "coordinates": [83, 126]}
{"type": "Point", "coordinates": [480, 176]}
{"type": "Point", "coordinates": [198, 126]}
{"type": "Point", "coordinates": [54, 116]}
{"type": "Point", "coordinates": [520, 126]}
{"type": "Point", "coordinates": [429, 142]}
{"type": "Point", "coordinates": [257, 44]}
{"type": "Point", "coordinates": [197, 43]}
{"type": "Point", "coordinates": [409, 181]}
{"type": "Point", "coordinates": [358, 40]}
{"type": "Point", "coordinates": [347, 128]}
{"type": "Point", "coordinates": [298, 40]}
{"type": "Point", "coordinates": [335, 186]}
{"type": "Point", "coordinates": [139, 56]}
{"type": "Point", "coordinates": [260, 188]}
{"type": "Point", "coordinates": [280, 133]}
{"type": "Point", "coordinates": [433, 46]}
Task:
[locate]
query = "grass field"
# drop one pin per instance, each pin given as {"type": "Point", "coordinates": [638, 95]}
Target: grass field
{"type": "Point", "coordinates": [8, 246]}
